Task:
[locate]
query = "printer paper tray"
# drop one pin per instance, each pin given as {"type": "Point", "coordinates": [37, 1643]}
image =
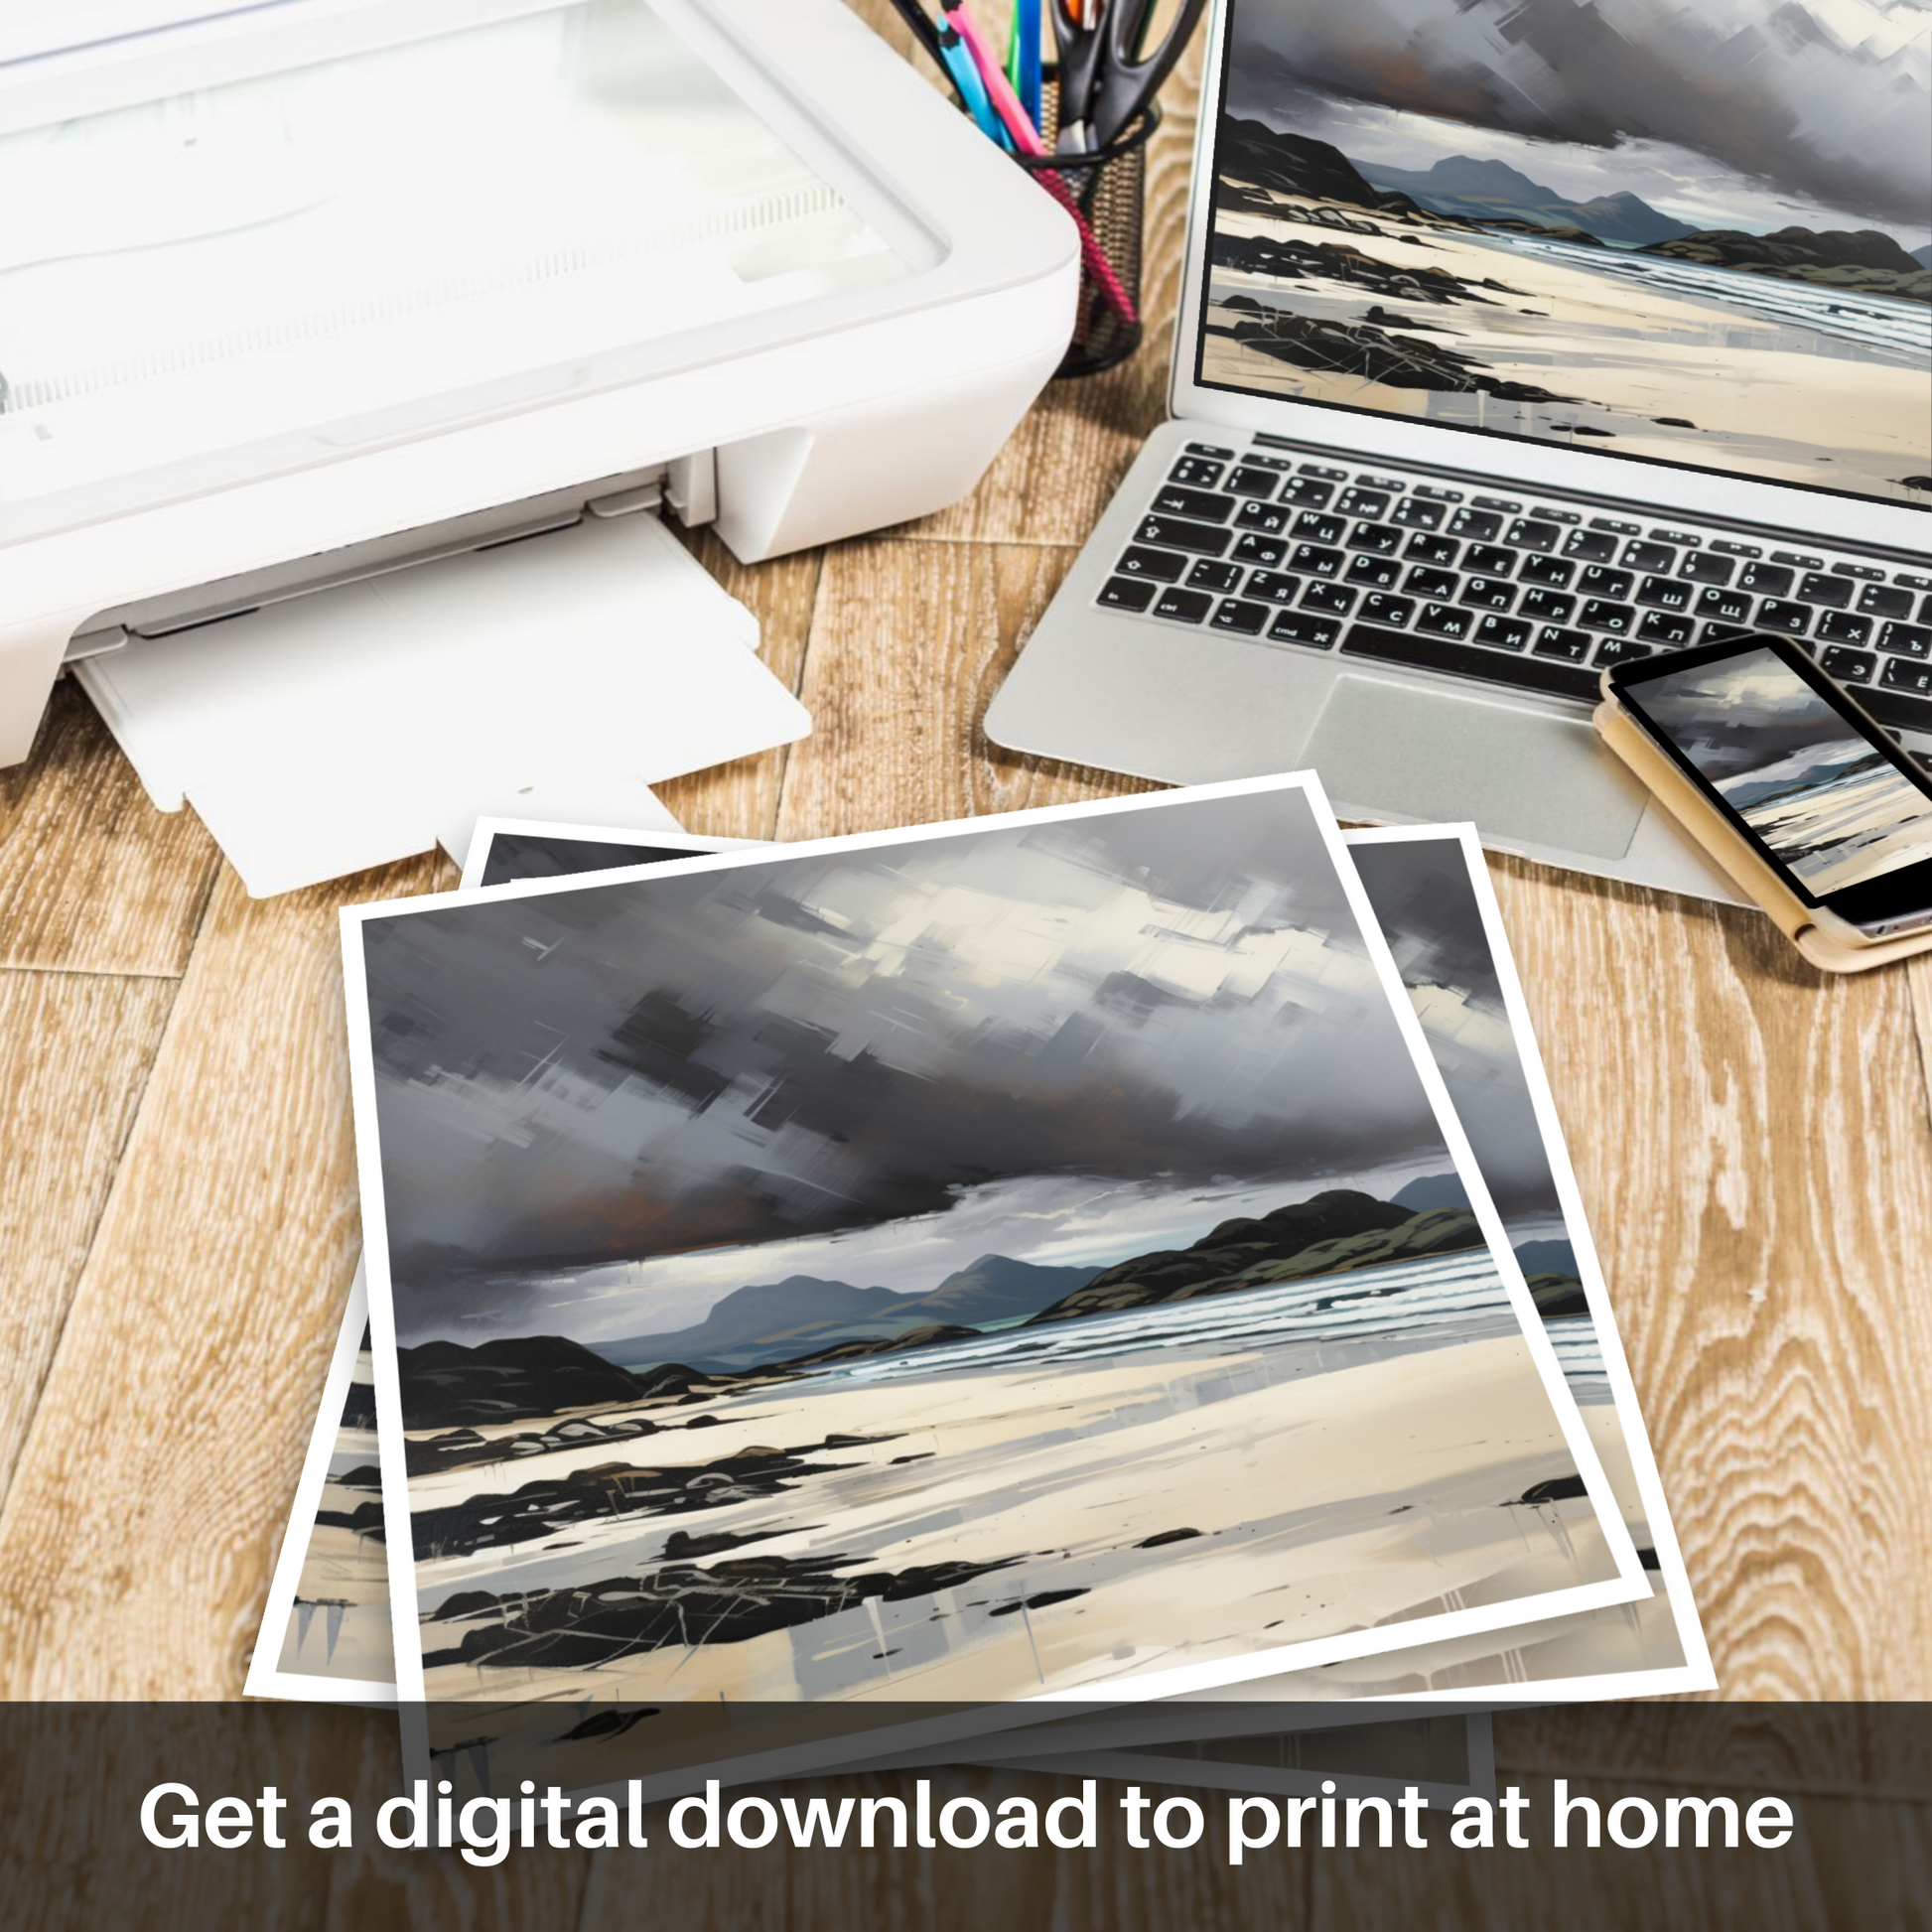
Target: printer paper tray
{"type": "Point", "coordinates": [557, 677]}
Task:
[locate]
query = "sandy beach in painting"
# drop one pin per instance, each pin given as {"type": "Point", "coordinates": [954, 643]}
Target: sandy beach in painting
{"type": "Point", "coordinates": [1139, 1512]}
{"type": "Point", "coordinates": [1628, 354]}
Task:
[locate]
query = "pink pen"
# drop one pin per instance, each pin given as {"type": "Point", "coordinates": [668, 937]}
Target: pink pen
{"type": "Point", "coordinates": [1025, 137]}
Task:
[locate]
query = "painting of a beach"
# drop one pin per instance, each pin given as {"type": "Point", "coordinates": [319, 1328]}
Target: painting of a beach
{"type": "Point", "coordinates": [1821, 796]}
{"type": "Point", "coordinates": [1024, 1261]}
{"type": "Point", "coordinates": [1626, 228]}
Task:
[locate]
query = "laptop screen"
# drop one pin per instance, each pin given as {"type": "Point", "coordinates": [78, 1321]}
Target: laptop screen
{"type": "Point", "coordinates": [1701, 236]}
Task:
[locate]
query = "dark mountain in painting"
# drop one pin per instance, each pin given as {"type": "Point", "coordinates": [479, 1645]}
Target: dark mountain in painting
{"type": "Point", "coordinates": [1335, 1233]}
{"type": "Point", "coordinates": [1862, 260]}
{"type": "Point", "coordinates": [778, 1321]}
{"type": "Point", "coordinates": [448, 1386]}
{"type": "Point", "coordinates": [445, 1385]}
{"type": "Point", "coordinates": [1291, 164]}
{"type": "Point", "coordinates": [1493, 191]}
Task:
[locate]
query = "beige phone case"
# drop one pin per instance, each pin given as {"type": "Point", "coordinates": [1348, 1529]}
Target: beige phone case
{"type": "Point", "coordinates": [1733, 853]}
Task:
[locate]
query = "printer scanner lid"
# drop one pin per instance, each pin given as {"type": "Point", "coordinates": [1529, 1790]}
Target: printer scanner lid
{"type": "Point", "coordinates": [269, 235]}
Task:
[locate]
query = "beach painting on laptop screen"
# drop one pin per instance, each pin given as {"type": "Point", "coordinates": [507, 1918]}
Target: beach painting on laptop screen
{"type": "Point", "coordinates": [1020, 1258]}
{"type": "Point", "coordinates": [1702, 234]}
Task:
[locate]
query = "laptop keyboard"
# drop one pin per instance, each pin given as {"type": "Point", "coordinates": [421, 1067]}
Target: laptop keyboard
{"type": "Point", "coordinates": [1524, 593]}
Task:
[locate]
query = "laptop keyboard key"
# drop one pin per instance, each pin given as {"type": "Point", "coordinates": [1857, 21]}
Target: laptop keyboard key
{"type": "Point", "coordinates": [1591, 546]}
{"type": "Point", "coordinates": [1270, 518]}
{"type": "Point", "coordinates": [1548, 607]}
{"type": "Point", "coordinates": [1847, 666]}
{"type": "Point", "coordinates": [1299, 627]}
{"type": "Point", "coordinates": [1171, 499]}
{"type": "Point", "coordinates": [1553, 641]}
{"type": "Point", "coordinates": [1834, 593]}
{"type": "Point", "coordinates": [1446, 621]}
{"type": "Point", "coordinates": [1598, 581]}
{"type": "Point", "coordinates": [1906, 639]}
{"type": "Point", "coordinates": [1275, 586]}
{"type": "Point", "coordinates": [1234, 614]}
{"type": "Point", "coordinates": [1723, 607]}
{"type": "Point", "coordinates": [1383, 539]}
{"type": "Point", "coordinates": [1601, 614]}
{"type": "Point", "coordinates": [1253, 550]}
{"type": "Point", "coordinates": [1767, 580]}
{"type": "Point", "coordinates": [1488, 595]}
{"type": "Point", "coordinates": [1379, 573]}
{"type": "Point", "coordinates": [1503, 633]}
{"type": "Point", "coordinates": [1479, 525]}
{"type": "Point", "coordinates": [1842, 628]}
{"type": "Point", "coordinates": [1556, 572]}
{"type": "Point", "coordinates": [1881, 600]}
{"type": "Point", "coordinates": [1425, 549]}
{"type": "Point", "coordinates": [1531, 533]}
{"type": "Point", "coordinates": [1160, 565]}
{"type": "Point", "coordinates": [1361, 502]}
{"type": "Point", "coordinates": [1901, 675]}
{"type": "Point", "coordinates": [1196, 471]}
{"type": "Point", "coordinates": [1699, 567]}
{"type": "Point", "coordinates": [1250, 481]}
{"type": "Point", "coordinates": [1469, 660]}
{"type": "Point", "coordinates": [1175, 533]}
{"type": "Point", "coordinates": [1418, 513]}
{"type": "Point", "coordinates": [1639, 555]}
{"type": "Point", "coordinates": [1780, 614]}
{"type": "Point", "coordinates": [1127, 593]}
{"type": "Point", "coordinates": [1210, 449]}
{"type": "Point", "coordinates": [1619, 651]}
{"type": "Point", "coordinates": [1431, 583]}
{"type": "Point", "coordinates": [1393, 612]}
{"type": "Point", "coordinates": [1313, 527]}
{"type": "Point", "coordinates": [1308, 492]}
{"type": "Point", "coordinates": [1333, 599]}
{"type": "Point", "coordinates": [1664, 627]}
{"type": "Point", "coordinates": [1184, 607]}
{"type": "Point", "coordinates": [1209, 575]}
{"type": "Point", "coordinates": [1664, 593]}
{"type": "Point", "coordinates": [1489, 559]}
{"type": "Point", "coordinates": [1317, 562]}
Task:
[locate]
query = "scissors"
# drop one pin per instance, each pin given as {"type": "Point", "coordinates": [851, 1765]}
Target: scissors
{"type": "Point", "coordinates": [1107, 75]}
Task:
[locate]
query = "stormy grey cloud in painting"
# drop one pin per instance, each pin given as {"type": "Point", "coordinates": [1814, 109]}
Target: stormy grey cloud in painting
{"type": "Point", "coordinates": [1824, 104]}
{"type": "Point", "coordinates": [961, 1035]}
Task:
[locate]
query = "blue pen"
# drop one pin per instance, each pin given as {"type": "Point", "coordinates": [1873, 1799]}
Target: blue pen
{"type": "Point", "coordinates": [1025, 80]}
{"type": "Point", "coordinates": [972, 89]}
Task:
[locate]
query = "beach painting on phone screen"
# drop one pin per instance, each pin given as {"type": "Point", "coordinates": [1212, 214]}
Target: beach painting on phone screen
{"type": "Point", "coordinates": [1821, 795]}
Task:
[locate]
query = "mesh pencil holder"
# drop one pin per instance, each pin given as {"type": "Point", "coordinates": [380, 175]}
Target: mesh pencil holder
{"type": "Point", "coordinates": [1106, 192]}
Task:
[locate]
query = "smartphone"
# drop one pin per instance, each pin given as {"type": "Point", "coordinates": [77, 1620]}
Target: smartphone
{"type": "Point", "coordinates": [1785, 756]}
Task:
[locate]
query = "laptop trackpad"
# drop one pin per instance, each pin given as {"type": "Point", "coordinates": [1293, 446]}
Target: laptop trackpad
{"type": "Point", "coordinates": [1385, 747]}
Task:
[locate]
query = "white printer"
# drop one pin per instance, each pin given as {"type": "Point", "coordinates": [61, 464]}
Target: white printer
{"type": "Point", "coordinates": [311, 309]}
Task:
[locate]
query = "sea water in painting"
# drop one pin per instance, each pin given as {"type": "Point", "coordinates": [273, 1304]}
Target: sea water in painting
{"type": "Point", "coordinates": [1019, 1260]}
{"type": "Point", "coordinates": [1701, 234]}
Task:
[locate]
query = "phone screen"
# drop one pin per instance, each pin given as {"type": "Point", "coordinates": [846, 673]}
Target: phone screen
{"type": "Point", "coordinates": [1813, 783]}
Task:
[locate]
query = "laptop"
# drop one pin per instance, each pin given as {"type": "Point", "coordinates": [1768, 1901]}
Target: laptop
{"type": "Point", "coordinates": [1514, 342]}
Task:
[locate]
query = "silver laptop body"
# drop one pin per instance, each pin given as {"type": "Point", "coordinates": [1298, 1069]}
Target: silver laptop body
{"type": "Point", "coordinates": [1422, 613]}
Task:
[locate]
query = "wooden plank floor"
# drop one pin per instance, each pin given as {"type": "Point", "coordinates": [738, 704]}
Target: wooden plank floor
{"type": "Point", "coordinates": [1753, 1141]}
